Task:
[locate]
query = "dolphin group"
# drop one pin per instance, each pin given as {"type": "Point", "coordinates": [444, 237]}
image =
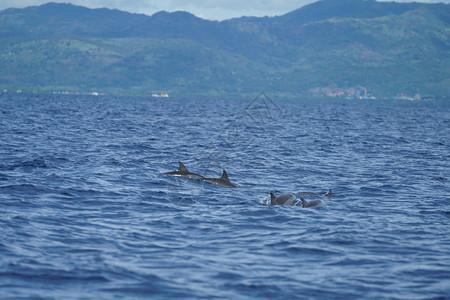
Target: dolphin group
{"type": "Point", "coordinates": [182, 171]}
{"type": "Point", "coordinates": [224, 181]}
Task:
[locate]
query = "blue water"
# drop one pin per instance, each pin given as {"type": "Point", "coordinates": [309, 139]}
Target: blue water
{"type": "Point", "coordinates": [85, 212]}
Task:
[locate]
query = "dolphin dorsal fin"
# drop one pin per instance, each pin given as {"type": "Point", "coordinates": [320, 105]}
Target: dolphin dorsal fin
{"type": "Point", "coordinates": [225, 176]}
{"type": "Point", "coordinates": [273, 199]}
{"type": "Point", "coordinates": [182, 167]}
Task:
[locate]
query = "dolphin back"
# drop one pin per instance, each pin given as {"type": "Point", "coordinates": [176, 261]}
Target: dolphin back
{"type": "Point", "coordinates": [313, 203]}
{"type": "Point", "coordinates": [285, 199]}
{"type": "Point", "coordinates": [222, 181]}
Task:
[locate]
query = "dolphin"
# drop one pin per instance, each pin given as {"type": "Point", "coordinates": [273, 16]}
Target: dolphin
{"type": "Point", "coordinates": [222, 181]}
{"type": "Point", "coordinates": [327, 194]}
{"type": "Point", "coordinates": [184, 172]}
{"type": "Point", "coordinates": [313, 203]}
{"type": "Point", "coordinates": [285, 199]}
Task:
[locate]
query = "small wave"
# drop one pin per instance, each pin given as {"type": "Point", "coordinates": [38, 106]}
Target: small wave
{"type": "Point", "coordinates": [347, 261]}
{"type": "Point", "coordinates": [53, 276]}
{"type": "Point", "coordinates": [439, 178]}
{"type": "Point", "coordinates": [35, 163]}
{"type": "Point", "coordinates": [150, 287]}
{"type": "Point", "coordinates": [436, 272]}
{"type": "Point", "coordinates": [370, 192]}
{"type": "Point", "coordinates": [22, 188]}
{"type": "Point", "coordinates": [310, 251]}
{"type": "Point", "coordinates": [256, 290]}
{"type": "Point", "coordinates": [228, 276]}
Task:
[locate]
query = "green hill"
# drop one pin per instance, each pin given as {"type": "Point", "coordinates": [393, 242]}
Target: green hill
{"type": "Point", "coordinates": [386, 47]}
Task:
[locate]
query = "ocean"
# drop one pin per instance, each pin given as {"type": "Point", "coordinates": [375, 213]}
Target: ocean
{"type": "Point", "coordinates": [87, 213]}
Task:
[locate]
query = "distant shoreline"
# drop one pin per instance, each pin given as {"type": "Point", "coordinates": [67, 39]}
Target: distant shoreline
{"type": "Point", "coordinates": [211, 97]}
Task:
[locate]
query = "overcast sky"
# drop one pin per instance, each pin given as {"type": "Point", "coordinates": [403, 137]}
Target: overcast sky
{"type": "Point", "coordinates": [207, 9]}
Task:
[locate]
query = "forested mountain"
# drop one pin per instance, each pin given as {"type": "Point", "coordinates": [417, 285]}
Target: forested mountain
{"type": "Point", "coordinates": [385, 47]}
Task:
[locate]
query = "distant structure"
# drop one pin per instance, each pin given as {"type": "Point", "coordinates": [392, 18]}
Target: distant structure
{"type": "Point", "coordinates": [163, 95]}
{"type": "Point", "coordinates": [363, 93]}
{"type": "Point", "coordinates": [403, 97]}
{"type": "Point", "coordinates": [346, 93]}
{"type": "Point", "coordinates": [417, 97]}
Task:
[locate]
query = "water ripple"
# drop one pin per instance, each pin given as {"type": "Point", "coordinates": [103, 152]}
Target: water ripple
{"type": "Point", "coordinates": [87, 214]}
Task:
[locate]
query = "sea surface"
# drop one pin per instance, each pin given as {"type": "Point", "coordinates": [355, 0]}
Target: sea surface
{"type": "Point", "coordinates": [86, 213]}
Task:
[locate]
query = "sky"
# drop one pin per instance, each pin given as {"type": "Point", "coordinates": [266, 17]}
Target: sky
{"type": "Point", "coordinates": [207, 9]}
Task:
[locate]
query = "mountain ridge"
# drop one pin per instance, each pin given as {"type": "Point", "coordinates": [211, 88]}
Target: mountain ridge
{"type": "Point", "coordinates": [395, 48]}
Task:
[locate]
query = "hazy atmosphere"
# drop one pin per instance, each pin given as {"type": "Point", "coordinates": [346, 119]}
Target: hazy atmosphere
{"type": "Point", "coordinates": [207, 9]}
